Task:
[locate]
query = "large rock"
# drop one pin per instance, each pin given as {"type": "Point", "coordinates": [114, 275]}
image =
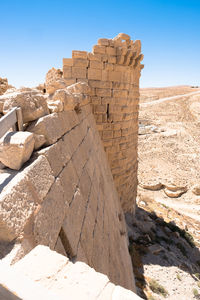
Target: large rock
{"type": "Point", "coordinates": [73, 96]}
{"type": "Point", "coordinates": [3, 85]}
{"type": "Point", "coordinates": [21, 196]}
{"type": "Point", "coordinates": [196, 189]}
{"type": "Point", "coordinates": [54, 81]}
{"type": "Point", "coordinates": [32, 103]}
{"type": "Point", "coordinates": [16, 148]}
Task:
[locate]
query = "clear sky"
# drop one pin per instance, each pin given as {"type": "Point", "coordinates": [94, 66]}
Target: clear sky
{"type": "Point", "coordinates": [36, 35]}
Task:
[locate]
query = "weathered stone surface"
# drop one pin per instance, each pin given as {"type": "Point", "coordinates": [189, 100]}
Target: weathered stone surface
{"type": "Point", "coordinates": [52, 127]}
{"type": "Point", "coordinates": [32, 103]}
{"type": "Point", "coordinates": [174, 194]}
{"type": "Point", "coordinates": [60, 277]}
{"type": "Point", "coordinates": [79, 88]}
{"type": "Point", "coordinates": [16, 148]}
{"type": "Point", "coordinates": [49, 218]}
{"type": "Point", "coordinates": [55, 106]}
{"type": "Point", "coordinates": [17, 203]}
{"type": "Point", "coordinates": [72, 100]}
{"type": "Point", "coordinates": [39, 141]}
{"type": "Point", "coordinates": [3, 85]}
{"type": "Point", "coordinates": [153, 185]}
{"type": "Point", "coordinates": [196, 189]}
{"type": "Point", "coordinates": [40, 175]}
{"type": "Point", "coordinates": [54, 81]}
{"type": "Point", "coordinates": [21, 196]}
{"type": "Point", "coordinates": [113, 72]}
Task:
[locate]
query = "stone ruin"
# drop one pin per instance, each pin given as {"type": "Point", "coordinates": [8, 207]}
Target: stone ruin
{"type": "Point", "coordinates": [74, 167]}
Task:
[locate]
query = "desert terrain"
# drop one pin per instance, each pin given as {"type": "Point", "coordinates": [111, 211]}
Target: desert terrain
{"type": "Point", "coordinates": [168, 216]}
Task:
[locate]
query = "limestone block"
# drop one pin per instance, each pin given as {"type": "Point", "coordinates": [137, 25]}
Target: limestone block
{"type": "Point", "coordinates": [67, 62]}
{"type": "Point", "coordinates": [79, 54]}
{"type": "Point", "coordinates": [92, 56]}
{"type": "Point", "coordinates": [17, 203]}
{"type": "Point", "coordinates": [96, 64]}
{"type": "Point", "coordinates": [78, 62]}
{"type": "Point", "coordinates": [49, 218]}
{"type": "Point", "coordinates": [119, 293]}
{"type": "Point", "coordinates": [39, 141]}
{"type": "Point", "coordinates": [112, 60]}
{"type": "Point", "coordinates": [95, 74]}
{"type": "Point", "coordinates": [54, 85]}
{"type": "Point", "coordinates": [79, 87]}
{"type": "Point", "coordinates": [52, 127]}
{"type": "Point", "coordinates": [111, 50]}
{"type": "Point", "coordinates": [97, 49]}
{"type": "Point", "coordinates": [78, 72]}
{"type": "Point", "coordinates": [114, 76]}
{"type": "Point", "coordinates": [67, 72]}
{"type": "Point", "coordinates": [40, 175]}
{"type": "Point", "coordinates": [16, 148]}
{"type": "Point", "coordinates": [72, 225]}
{"type": "Point", "coordinates": [103, 42]}
{"type": "Point", "coordinates": [32, 103]}
{"type": "Point", "coordinates": [55, 106]}
{"type": "Point", "coordinates": [103, 92]}
{"type": "Point", "coordinates": [100, 84]}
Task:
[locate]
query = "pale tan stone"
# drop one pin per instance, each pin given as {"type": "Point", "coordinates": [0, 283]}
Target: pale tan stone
{"type": "Point", "coordinates": [80, 87]}
{"type": "Point", "coordinates": [16, 148]}
{"type": "Point", "coordinates": [39, 141]}
{"type": "Point", "coordinates": [32, 103]}
{"type": "Point", "coordinates": [3, 85]}
{"type": "Point", "coordinates": [17, 203]}
{"type": "Point", "coordinates": [97, 49]}
{"type": "Point", "coordinates": [103, 42]}
{"type": "Point", "coordinates": [55, 106]}
{"type": "Point", "coordinates": [79, 54]}
{"type": "Point", "coordinates": [49, 218]}
{"type": "Point", "coordinates": [40, 175]}
{"type": "Point", "coordinates": [196, 189]}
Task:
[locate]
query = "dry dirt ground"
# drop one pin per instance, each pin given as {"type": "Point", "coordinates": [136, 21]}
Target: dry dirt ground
{"type": "Point", "coordinates": [169, 174]}
{"type": "Point", "coordinates": [150, 94]}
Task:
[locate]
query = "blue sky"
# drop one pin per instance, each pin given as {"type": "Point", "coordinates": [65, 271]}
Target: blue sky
{"type": "Point", "coordinates": [36, 35]}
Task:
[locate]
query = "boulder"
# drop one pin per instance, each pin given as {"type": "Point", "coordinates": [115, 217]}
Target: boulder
{"type": "Point", "coordinates": [55, 105]}
{"type": "Point", "coordinates": [54, 81]}
{"type": "Point", "coordinates": [153, 185]}
{"type": "Point", "coordinates": [71, 100]}
{"type": "Point", "coordinates": [174, 194]}
{"type": "Point", "coordinates": [32, 103]}
{"type": "Point", "coordinates": [16, 148]}
{"type": "Point", "coordinates": [40, 140]}
{"type": "Point", "coordinates": [79, 88]}
{"type": "Point", "coordinates": [196, 189]}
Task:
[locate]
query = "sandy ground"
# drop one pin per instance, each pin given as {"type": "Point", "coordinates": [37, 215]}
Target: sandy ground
{"type": "Point", "coordinates": [169, 156]}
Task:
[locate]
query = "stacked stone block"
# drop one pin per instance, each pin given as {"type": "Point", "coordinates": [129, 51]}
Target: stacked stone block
{"type": "Point", "coordinates": [112, 70]}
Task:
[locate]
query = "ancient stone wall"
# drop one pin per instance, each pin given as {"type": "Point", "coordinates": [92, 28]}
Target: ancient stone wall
{"type": "Point", "coordinates": [65, 197]}
{"type": "Point", "coordinates": [112, 71]}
